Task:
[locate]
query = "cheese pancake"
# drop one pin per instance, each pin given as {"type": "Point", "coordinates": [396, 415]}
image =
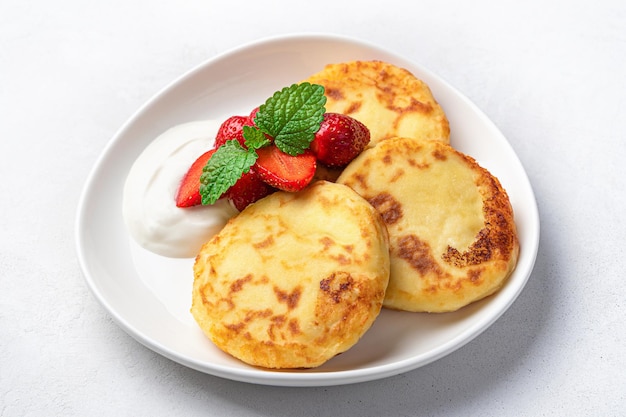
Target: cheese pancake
{"type": "Point", "coordinates": [453, 239]}
{"type": "Point", "coordinates": [389, 100]}
{"type": "Point", "coordinates": [294, 279]}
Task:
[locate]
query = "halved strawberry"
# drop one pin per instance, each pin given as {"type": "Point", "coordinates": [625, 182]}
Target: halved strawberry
{"type": "Point", "coordinates": [248, 189]}
{"type": "Point", "coordinates": [283, 171]}
{"type": "Point", "coordinates": [189, 190]}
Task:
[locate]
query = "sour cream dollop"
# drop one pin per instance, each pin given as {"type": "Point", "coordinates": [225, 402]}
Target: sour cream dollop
{"type": "Point", "coordinates": [152, 218]}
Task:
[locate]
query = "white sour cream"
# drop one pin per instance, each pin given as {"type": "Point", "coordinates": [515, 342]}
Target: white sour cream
{"type": "Point", "coordinates": [149, 207]}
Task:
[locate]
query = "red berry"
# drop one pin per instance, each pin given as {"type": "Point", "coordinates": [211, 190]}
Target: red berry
{"type": "Point", "coordinates": [251, 122]}
{"type": "Point", "coordinates": [339, 140]}
{"type": "Point", "coordinates": [248, 189]}
{"type": "Point", "coordinates": [231, 128]}
{"type": "Point", "coordinates": [283, 171]}
{"type": "Point", "coordinates": [189, 190]}
{"type": "Point", "coordinates": [252, 115]}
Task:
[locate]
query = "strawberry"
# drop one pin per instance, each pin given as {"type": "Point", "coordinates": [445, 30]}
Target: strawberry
{"type": "Point", "coordinates": [271, 160]}
{"type": "Point", "coordinates": [189, 190]}
{"type": "Point", "coordinates": [232, 128]}
{"type": "Point", "coordinates": [248, 189]}
{"type": "Point", "coordinates": [283, 171]}
{"type": "Point", "coordinates": [339, 140]}
{"type": "Point", "coordinates": [250, 122]}
{"type": "Point", "coordinates": [253, 114]}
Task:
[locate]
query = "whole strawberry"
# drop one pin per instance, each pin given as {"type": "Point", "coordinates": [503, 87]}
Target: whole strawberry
{"type": "Point", "coordinates": [339, 140]}
{"type": "Point", "coordinates": [252, 115]}
{"type": "Point", "coordinates": [232, 128]}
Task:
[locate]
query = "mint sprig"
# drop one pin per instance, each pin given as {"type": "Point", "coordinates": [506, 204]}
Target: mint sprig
{"type": "Point", "coordinates": [254, 137]}
{"type": "Point", "coordinates": [291, 117]}
{"type": "Point", "coordinates": [229, 162]}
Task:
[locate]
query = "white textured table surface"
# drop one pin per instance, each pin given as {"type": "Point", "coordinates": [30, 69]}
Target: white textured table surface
{"type": "Point", "coordinates": [550, 74]}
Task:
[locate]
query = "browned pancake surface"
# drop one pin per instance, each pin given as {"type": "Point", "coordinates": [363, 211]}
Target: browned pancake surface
{"type": "Point", "coordinates": [453, 238]}
{"type": "Point", "coordinates": [294, 279]}
{"type": "Point", "coordinates": [389, 100]}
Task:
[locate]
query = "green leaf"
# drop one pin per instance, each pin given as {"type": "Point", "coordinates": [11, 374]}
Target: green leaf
{"type": "Point", "coordinates": [292, 116]}
{"type": "Point", "coordinates": [254, 137]}
{"type": "Point", "coordinates": [225, 167]}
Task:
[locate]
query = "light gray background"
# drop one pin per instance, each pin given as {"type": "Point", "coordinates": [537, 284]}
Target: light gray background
{"type": "Point", "coordinates": [550, 74]}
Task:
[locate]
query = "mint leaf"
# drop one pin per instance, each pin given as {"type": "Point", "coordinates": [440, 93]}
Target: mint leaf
{"type": "Point", "coordinates": [228, 163]}
{"type": "Point", "coordinates": [254, 137]}
{"type": "Point", "coordinates": [292, 116]}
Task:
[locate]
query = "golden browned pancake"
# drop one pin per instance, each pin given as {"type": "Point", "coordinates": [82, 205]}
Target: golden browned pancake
{"type": "Point", "coordinates": [294, 279]}
{"type": "Point", "coordinates": [452, 235]}
{"type": "Point", "coordinates": [389, 100]}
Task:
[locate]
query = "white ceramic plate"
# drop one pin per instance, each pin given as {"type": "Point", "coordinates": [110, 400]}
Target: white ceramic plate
{"type": "Point", "coordinates": [149, 296]}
